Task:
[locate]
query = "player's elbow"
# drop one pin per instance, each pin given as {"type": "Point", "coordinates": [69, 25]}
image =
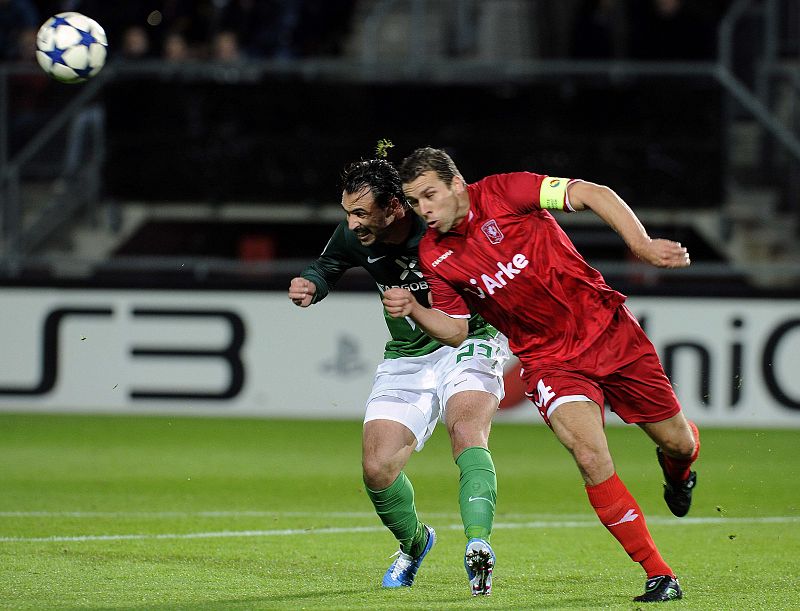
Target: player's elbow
{"type": "Point", "coordinates": [454, 341]}
{"type": "Point", "coordinates": [457, 336]}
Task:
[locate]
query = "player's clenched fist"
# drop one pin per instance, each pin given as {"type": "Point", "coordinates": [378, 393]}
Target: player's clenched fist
{"type": "Point", "coordinates": [398, 302]}
{"type": "Point", "coordinates": [301, 292]}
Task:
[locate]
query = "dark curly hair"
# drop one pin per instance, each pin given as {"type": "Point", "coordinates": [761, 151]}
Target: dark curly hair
{"type": "Point", "coordinates": [379, 175]}
{"type": "Point", "coordinates": [428, 159]}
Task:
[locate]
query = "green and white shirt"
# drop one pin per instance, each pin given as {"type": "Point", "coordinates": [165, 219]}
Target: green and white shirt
{"type": "Point", "coordinates": [390, 265]}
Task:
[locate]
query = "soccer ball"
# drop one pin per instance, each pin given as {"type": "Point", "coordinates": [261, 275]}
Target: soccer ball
{"type": "Point", "coordinates": [71, 48]}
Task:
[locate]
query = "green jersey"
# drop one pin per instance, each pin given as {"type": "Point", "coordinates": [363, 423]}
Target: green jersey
{"type": "Point", "coordinates": [390, 265]}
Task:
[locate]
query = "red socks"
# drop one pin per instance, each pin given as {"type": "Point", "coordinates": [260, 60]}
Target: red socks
{"type": "Point", "coordinates": [678, 470]}
{"type": "Point", "coordinates": [620, 514]}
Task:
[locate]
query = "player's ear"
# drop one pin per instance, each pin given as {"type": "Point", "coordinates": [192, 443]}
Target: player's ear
{"type": "Point", "coordinates": [458, 185]}
{"type": "Point", "coordinates": [393, 208]}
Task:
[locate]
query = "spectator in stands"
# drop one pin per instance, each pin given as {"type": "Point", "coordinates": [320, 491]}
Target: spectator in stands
{"type": "Point", "coordinates": [186, 28]}
{"type": "Point", "coordinates": [156, 20]}
{"type": "Point", "coordinates": [175, 48]}
{"type": "Point", "coordinates": [265, 27]}
{"type": "Point", "coordinates": [226, 46]}
{"type": "Point", "coordinates": [135, 43]}
{"type": "Point", "coordinates": [262, 28]}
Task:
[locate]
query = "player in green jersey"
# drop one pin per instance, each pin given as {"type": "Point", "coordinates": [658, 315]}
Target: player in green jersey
{"type": "Point", "coordinates": [420, 380]}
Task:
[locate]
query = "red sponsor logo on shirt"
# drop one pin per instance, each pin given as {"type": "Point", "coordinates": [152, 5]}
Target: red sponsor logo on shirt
{"type": "Point", "coordinates": [492, 231]}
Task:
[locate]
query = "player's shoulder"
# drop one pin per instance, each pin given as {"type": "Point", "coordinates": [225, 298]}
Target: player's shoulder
{"type": "Point", "coordinates": [428, 245]}
{"type": "Point", "coordinates": [508, 180]}
{"type": "Point", "coordinates": [341, 239]}
{"type": "Point", "coordinates": [427, 241]}
{"type": "Point", "coordinates": [499, 188]}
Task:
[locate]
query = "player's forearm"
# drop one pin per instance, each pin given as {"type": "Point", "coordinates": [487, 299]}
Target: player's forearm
{"type": "Point", "coordinates": [606, 204]}
{"type": "Point", "coordinates": [616, 213]}
{"type": "Point", "coordinates": [401, 303]}
{"type": "Point", "coordinates": [440, 326]}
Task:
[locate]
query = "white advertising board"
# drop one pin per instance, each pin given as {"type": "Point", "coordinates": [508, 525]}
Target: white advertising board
{"type": "Point", "coordinates": [733, 362]}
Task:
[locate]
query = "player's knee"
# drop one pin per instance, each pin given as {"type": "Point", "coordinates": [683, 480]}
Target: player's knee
{"type": "Point", "coordinates": [681, 447]}
{"type": "Point", "coordinates": [465, 434]}
{"type": "Point", "coordinates": [378, 474]}
{"type": "Point", "coordinates": [596, 465]}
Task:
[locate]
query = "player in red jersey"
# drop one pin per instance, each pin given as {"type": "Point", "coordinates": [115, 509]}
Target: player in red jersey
{"type": "Point", "coordinates": [492, 247]}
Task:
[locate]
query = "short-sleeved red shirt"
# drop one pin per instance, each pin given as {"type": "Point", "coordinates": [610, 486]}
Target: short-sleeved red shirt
{"type": "Point", "coordinates": [510, 261]}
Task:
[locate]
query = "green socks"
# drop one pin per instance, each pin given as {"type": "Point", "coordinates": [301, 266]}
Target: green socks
{"type": "Point", "coordinates": [478, 492]}
{"type": "Point", "coordinates": [477, 495]}
{"type": "Point", "coordinates": [395, 508]}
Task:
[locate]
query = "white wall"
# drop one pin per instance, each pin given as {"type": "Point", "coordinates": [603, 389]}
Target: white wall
{"type": "Point", "coordinates": [255, 354]}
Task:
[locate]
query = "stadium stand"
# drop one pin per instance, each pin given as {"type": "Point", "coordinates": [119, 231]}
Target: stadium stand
{"type": "Point", "coordinates": [224, 125]}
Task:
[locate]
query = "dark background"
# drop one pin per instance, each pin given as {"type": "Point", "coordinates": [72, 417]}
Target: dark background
{"type": "Point", "coordinates": [286, 140]}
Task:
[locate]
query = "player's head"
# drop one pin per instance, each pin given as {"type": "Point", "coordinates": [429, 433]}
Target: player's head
{"type": "Point", "coordinates": [372, 198]}
{"type": "Point", "coordinates": [435, 188]}
{"type": "Point", "coordinates": [377, 175]}
{"type": "Point", "coordinates": [428, 159]}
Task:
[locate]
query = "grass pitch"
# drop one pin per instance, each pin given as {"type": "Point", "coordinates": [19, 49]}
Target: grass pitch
{"type": "Point", "coordinates": [181, 513]}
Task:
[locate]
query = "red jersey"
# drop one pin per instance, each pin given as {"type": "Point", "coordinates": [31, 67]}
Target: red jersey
{"type": "Point", "coordinates": [510, 261]}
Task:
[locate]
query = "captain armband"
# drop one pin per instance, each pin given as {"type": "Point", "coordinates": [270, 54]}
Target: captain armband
{"type": "Point", "coordinates": [553, 193]}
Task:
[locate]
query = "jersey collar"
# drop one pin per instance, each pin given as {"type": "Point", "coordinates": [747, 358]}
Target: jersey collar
{"type": "Point", "coordinates": [461, 228]}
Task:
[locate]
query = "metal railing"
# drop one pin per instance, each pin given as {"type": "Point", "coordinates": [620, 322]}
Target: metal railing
{"type": "Point", "coordinates": [76, 186]}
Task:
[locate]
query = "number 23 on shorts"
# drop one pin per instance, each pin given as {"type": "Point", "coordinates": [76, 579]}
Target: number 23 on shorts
{"type": "Point", "coordinates": [484, 350]}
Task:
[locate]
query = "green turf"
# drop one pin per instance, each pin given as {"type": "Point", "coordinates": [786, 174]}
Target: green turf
{"type": "Point", "coordinates": [250, 514]}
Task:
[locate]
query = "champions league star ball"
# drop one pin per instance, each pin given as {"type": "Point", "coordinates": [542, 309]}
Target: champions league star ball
{"type": "Point", "coordinates": [71, 48]}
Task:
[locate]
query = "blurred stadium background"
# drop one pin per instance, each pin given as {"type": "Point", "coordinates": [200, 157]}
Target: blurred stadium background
{"type": "Point", "coordinates": [152, 217]}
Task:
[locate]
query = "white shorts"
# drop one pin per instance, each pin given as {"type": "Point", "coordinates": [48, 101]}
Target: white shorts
{"type": "Point", "coordinates": [414, 390]}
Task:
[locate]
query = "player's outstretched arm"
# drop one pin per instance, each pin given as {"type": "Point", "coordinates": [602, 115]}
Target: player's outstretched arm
{"type": "Point", "coordinates": [302, 291]}
{"type": "Point", "coordinates": [400, 303]}
{"type": "Point", "coordinates": [610, 207]}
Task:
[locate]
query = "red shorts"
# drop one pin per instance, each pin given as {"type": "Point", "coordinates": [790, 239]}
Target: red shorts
{"type": "Point", "coordinates": [621, 368]}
